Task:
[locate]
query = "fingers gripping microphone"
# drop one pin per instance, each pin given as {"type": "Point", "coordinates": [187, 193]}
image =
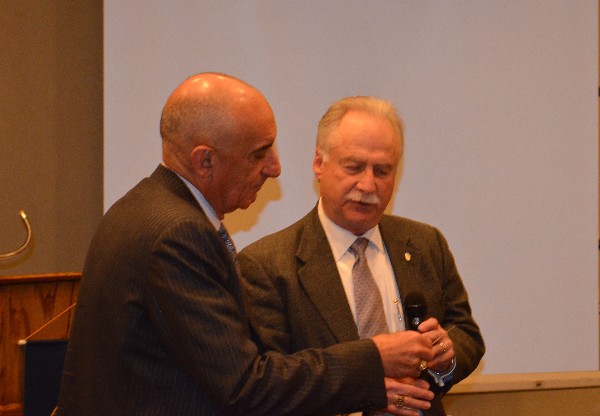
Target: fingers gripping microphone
{"type": "Point", "coordinates": [415, 309]}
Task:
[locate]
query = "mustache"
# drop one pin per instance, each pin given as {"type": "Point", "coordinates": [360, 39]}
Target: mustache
{"type": "Point", "coordinates": [357, 196]}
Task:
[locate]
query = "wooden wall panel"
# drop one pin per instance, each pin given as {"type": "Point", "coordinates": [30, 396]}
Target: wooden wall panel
{"type": "Point", "coordinates": [27, 304]}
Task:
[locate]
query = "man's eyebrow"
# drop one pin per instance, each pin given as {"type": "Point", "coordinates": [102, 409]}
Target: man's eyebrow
{"type": "Point", "coordinates": [265, 147]}
{"type": "Point", "coordinates": [351, 159]}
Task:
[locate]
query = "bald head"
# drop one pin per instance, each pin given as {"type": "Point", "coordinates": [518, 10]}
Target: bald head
{"type": "Point", "coordinates": [207, 109]}
{"type": "Point", "coordinates": [218, 133]}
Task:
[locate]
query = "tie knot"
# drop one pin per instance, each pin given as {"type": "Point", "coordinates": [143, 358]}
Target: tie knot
{"type": "Point", "coordinates": [359, 246]}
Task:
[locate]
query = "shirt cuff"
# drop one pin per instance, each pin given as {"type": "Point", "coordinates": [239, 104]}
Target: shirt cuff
{"type": "Point", "coordinates": [442, 378]}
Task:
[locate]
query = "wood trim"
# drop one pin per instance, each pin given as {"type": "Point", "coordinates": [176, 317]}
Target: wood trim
{"type": "Point", "coordinates": [527, 382]}
{"type": "Point", "coordinates": [13, 409]}
{"type": "Point", "coordinates": [40, 278]}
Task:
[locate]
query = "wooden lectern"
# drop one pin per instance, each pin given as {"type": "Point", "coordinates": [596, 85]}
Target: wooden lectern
{"type": "Point", "coordinates": [32, 308]}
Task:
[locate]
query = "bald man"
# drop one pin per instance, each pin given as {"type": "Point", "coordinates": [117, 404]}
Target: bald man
{"type": "Point", "coordinates": [161, 325]}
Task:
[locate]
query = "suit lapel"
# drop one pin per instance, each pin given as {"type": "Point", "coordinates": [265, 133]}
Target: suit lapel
{"type": "Point", "coordinates": [405, 258]}
{"type": "Point", "coordinates": [320, 278]}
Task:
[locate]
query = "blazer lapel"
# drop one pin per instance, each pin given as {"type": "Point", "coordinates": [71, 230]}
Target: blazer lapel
{"type": "Point", "coordinates": [405, 258]}
{"type": "Point", "coordinates": [320, 278]}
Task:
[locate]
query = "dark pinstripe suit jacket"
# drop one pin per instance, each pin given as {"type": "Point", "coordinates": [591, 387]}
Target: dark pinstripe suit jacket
{"type": "Point", "coordinates": [161, 327]}
{"type": "Point", "coordinates": [300, 302]}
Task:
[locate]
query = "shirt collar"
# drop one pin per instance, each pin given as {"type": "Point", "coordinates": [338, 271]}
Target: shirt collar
{"type": "Point", "coordinates": [208, 210]}
{"type": "Point", "coordinates": [341, 239]}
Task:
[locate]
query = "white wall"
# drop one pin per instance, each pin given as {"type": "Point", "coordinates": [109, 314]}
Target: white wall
{"type": "Point", "coordinates": [500, 105]}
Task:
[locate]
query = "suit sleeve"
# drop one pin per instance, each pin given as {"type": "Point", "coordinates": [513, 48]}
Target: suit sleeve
{"type": "Point", "coordinates": [195, 299]}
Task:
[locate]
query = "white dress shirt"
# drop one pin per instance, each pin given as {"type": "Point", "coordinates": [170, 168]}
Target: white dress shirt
{"type": "Point", "coordinates": [340, 241]}
{"type": "Point", "coordinates": [208, 210]}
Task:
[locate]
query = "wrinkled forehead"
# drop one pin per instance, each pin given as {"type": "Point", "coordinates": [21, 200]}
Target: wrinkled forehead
{"type": "Point", "coordinates": [363, 130]}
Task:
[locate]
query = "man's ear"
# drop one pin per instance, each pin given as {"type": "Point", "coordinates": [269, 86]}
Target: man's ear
{"type": "Point", "coordinates": [318, 163]}
{"type": "Point", "coordinates": [203, 160]}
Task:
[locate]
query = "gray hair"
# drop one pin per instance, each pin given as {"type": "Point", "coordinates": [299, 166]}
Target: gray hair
{"type": "Point", "coordinates": [371, 105]}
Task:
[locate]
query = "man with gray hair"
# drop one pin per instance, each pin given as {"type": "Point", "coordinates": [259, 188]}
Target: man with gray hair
{"type": "Point", "coordinates": [346, 271]}
{"type": "Point", "coordinates": [162, 326]}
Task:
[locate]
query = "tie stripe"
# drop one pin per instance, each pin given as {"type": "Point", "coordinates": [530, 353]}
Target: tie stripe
{"type": "Point", "coordinates": [230, 247]}
{"type": "Point", "coordinates": [369, 306]}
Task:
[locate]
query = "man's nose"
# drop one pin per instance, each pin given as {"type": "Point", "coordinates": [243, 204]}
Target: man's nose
{"type": "Point", "coordinates": [272, 167]}
{"type": "Point", "coordinates": [366, 182]}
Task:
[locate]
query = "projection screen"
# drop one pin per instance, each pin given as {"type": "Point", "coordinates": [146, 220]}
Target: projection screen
{"type": "Point", "coordinates": [500, 105]}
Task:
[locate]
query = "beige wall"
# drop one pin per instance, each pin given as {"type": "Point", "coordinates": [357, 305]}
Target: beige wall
{"type": "Point", "coordinates": [50, 131]}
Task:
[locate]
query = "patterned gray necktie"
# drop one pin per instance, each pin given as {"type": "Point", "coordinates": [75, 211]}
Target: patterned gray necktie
{"type": "Point", "coordinates": [230, 247]}
{"type": "Point", "coordinates": [370, 318]}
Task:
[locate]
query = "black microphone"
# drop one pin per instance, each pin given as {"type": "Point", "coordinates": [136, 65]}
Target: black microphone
{"type": "Point", "coordinates": [415, 309]}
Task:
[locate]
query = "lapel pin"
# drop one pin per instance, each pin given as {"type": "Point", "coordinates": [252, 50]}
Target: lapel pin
{"type": "Point", "coordinates": [407, 256]}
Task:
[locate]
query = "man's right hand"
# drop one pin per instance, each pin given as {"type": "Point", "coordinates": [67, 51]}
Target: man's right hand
{"type": "Point", "coordinates": [402, 353]}
{"type": "Point", "coordinates": [407, 396]}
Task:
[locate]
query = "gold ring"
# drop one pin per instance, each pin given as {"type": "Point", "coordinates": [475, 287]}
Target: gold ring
{"type": "Point", "coordinates": [442, 345]}
{"type": "Point", "coordinates": [423, 365]}
{"type": "Point", "coordinates": [400, 401]}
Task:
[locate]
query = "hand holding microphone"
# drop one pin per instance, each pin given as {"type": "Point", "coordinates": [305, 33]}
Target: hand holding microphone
{"type": "Point", "coordinates": [416, 317]}
{"type": "Point", "coordinates": [402, 351]}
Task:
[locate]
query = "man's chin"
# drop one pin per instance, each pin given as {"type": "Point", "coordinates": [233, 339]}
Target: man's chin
{"type": "Point", "coordinates": [247, 202]}
{"type": "Point", "coordinates": [359, 224]}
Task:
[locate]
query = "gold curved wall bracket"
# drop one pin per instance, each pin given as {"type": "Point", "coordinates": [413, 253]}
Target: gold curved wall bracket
{"type": "Point", "coordinates": [26, 243]}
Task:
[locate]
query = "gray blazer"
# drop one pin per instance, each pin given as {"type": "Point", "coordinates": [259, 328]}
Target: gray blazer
{"type": "Point", "coordinates": [161, 326]}
{"type": "Point", "coordinates": [299, 300]}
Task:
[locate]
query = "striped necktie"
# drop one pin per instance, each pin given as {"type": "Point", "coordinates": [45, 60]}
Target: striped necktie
{"type": "Point", "coordinates": [230, 247]}
{"type": "Point", "coordinates": [370, 318]}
